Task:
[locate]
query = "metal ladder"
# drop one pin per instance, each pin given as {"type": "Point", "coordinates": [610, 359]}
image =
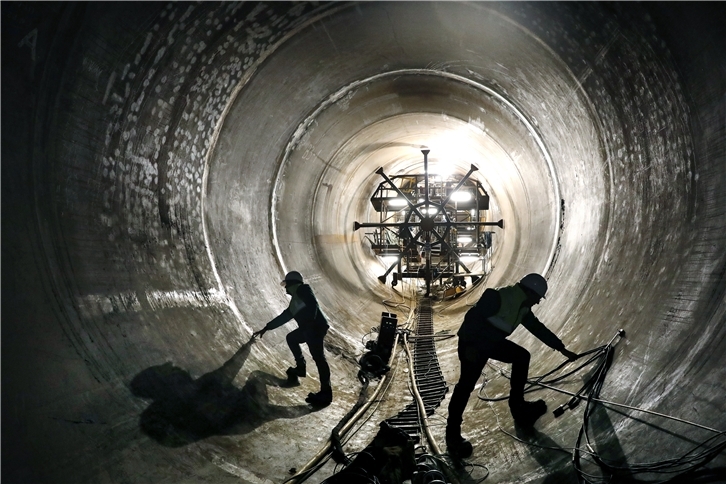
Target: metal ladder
{"type": "Point", "coordinates": [428, 377]}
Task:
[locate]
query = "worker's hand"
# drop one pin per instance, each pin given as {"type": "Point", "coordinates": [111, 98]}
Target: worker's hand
{"type": "Point", "coordinates": [259, 333]}
{"type": "Point", "coordinates": [569, 354]}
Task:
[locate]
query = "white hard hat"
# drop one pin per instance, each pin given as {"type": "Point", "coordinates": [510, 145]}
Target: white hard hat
{"type": "Point", "coordinates": [292, 276]}
{"type": "Point", "coordinates": [535, 283]}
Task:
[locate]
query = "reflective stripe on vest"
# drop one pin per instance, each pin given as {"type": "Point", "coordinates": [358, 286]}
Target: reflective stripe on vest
{"type": "Point", "coordinates": [510, 312]}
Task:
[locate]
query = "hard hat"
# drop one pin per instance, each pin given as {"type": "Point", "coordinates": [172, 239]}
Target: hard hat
{"type": "Point", "coordinates": [292, 276]}
{"type": "Point", "coordinates": [535, 283]}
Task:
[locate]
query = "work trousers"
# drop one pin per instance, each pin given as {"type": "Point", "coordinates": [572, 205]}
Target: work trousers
{"type": "Point", "coordinates": [473, 357]}
{"type": "Point", "coordinates": [314, 339]}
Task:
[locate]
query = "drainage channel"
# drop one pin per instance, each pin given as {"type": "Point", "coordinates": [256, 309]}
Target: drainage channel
{"type": "Point", "coordinates": [427, 373]}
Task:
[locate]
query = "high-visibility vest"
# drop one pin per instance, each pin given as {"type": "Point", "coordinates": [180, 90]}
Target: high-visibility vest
{"type": "Point", "coordinates": [512, 311]}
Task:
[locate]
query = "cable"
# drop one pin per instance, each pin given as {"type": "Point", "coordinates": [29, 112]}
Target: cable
{"type": "Point", "coordinates": [684, 464]}
{"type": "Point", "coordinates": [398, 304]}
{"type": "Point", "coordinates": [602, 356]}
{"type": "Point", "coordinates": [540, 380]}
{"type": "Point", "coordinates": [374, 329]}
{"type": "Point", "coordinates": [391, 376]}
{"type": "Point", "coordinates": [388, 384]}
{"type": "Point", "coordinates": [447, 466]}
{"type": "Point", "coordinates": [325, 453]}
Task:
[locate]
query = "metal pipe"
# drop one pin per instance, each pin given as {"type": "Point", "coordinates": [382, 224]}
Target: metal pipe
{"type": "Point", "coordinates": [358, 225]}
{"type": "Point", "coordinates": [426, 178]}
{"type": "Point", "coordinates": [400, 193]}
{"type": "Point", "coordinates": [463, 180]}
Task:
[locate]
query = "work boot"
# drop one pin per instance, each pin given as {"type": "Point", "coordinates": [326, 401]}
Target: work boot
{"type": "Point", "coordinates": [298, 371]}
{"type": "Point", "coordinates": [321, 399]}
{"type": "Point", "coordinates": [525, 413]}
{"type": "Point", "coordinates": [457, 445]}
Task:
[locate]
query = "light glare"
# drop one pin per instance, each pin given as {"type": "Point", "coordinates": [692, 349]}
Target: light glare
{"type": "Point", "coordinates": [460, 196]}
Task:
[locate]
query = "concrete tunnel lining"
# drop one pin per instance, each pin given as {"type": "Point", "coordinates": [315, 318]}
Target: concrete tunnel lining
{"type": "Point", "coordinates": [452, 144]}
{"type": "Point", "coordinates": [150, 122]}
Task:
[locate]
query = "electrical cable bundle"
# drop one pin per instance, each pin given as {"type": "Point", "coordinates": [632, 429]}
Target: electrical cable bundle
{"type": "Point", "coordinates": [341, 433]}
{"type": "Point", "coordinates": [695, 458]}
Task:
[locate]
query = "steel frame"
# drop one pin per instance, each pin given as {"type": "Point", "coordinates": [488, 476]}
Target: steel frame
{"type": "Point", "coordinates": [423, 232]}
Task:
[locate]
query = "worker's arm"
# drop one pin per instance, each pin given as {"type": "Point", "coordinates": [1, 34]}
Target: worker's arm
{"type": "Point", "coordinates": [538, 329]}
{"type": "Point", "coordinates": [569, 354]}
{"type": "Point", "coordinates": [283, 318]}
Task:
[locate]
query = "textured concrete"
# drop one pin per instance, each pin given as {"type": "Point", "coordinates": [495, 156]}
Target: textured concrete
{"type": "Point", "coordinates": [163, 165]}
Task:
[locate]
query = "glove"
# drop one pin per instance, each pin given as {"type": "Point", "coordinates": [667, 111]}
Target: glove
{"type": "Point", "coordinates": [569, 354]}
{"type": "Point", "coordinates": [259, 333]}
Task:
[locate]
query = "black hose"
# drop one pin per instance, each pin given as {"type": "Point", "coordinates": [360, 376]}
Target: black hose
{"type": "Point", "coordinates": [337, 452]}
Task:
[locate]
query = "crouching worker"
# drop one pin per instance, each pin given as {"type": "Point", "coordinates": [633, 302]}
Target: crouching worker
{"type": "Point", "coordinates": [312, 327]}
{"type": "Point", "coordinates": [483, 335]}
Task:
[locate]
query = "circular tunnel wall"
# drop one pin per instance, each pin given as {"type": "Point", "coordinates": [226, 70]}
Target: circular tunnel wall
{"type": "Point", "coordinates": [180, 158]}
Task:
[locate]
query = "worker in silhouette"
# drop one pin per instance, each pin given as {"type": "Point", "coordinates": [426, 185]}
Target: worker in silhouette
{"type": "Point", "coordinates": [312, 328]}
{"type": "Point", "coordinates": [483, 335]}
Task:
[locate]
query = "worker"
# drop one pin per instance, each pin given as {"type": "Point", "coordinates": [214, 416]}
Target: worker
{"type": "Point", "coordinates": [483, 335]}
{"type": "Point", "coordinates": [312, 328]}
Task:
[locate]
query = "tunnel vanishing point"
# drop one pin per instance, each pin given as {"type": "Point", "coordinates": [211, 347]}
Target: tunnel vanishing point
{"type": "Point", "coordinates": [164, 164]}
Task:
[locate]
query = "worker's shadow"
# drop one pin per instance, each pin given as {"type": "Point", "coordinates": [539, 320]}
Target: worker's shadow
{"type": "Point", "coordinates": [185, 410]}
{"type": "Point", "coordinates": [551, 455]}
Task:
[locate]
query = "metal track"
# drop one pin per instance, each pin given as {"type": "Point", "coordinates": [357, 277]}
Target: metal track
{"type": "Point", "coordinates": [428, 377]}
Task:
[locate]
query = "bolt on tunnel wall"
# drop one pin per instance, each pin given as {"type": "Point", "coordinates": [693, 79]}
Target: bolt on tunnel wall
{"type": "Point", "coordinates": [164, 165]}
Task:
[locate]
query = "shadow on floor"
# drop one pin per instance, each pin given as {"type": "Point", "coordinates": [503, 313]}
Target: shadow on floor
{"type": "Point", "coordinates": [551, 456]}
{"type": "Point", "coordinates": [701, 476]}
{"type": "Point", "coordinates": [185, 410]}
{"type": "Point", "coordinates": [558, 460]}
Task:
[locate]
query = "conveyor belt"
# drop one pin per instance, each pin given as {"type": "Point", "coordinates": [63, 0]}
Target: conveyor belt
{"type": "Point", "coordinates": [429, 379]}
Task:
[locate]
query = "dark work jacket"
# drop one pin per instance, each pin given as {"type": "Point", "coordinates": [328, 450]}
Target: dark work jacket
{"type": "Point", "coordinates": [304, 309]}
{"type": "Point", "coordinates": [476, 328]}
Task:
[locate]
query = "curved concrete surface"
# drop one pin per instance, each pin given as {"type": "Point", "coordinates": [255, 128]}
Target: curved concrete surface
{"type": "Point", "coordinates": [165, 164]}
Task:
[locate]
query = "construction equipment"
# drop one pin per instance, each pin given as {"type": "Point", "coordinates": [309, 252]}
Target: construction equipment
{"type": "Point", "coordinates": [431, 228]}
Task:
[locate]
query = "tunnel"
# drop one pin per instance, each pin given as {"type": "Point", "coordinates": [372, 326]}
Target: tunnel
{"type": "Point", "coordinates": [164, 165]}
